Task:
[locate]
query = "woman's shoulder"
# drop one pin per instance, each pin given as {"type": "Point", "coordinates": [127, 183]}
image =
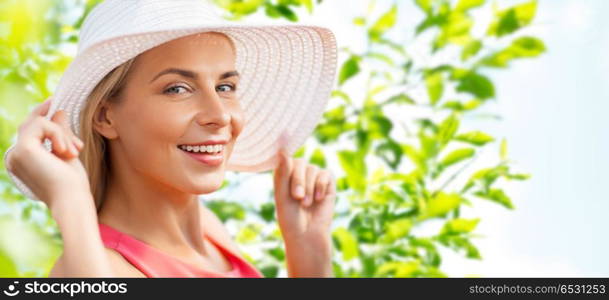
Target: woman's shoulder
{"type": "Point", "coordinates": [214, 227]}
{"type": "Point", "coordinates": [120, 265]}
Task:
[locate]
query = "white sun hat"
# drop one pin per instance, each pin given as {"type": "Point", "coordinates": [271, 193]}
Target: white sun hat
{"type": "Point", "coordinates": [286, 71]}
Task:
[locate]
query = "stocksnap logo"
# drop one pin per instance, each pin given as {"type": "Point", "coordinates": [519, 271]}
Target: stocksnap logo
{"type": "Point", "coordinates": [12, 291]}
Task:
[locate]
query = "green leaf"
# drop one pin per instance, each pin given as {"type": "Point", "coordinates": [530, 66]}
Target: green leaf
{"type": "Point", "coordinates": [342, 95]}
{"type": "Point", "coordinates": [477, 85]}
{"type": "Point", "coordinates": [523, 47]}
{"type": "Point", "coordinates": [456, 156]}
{"type": "Point", "coordinates": [384, 23]}
{"type": "Point", "coordinates": [455, 30]}
{"type": "Point", "coordinates": [359, 21]}
{"type": "Point", "coordinates": [287, 13]}
{"type": "Point", "coordinates": [267, 211]}
{"type": "Point", "coordinates": [472, 48]}
{"type": "Point", "coordinates": [398, 269]}
{"type": "Point", "coordinates": [353, 164]}
{"type": "Point", "coordinates": [458, 106]}
{"type": "Point", "coordinates": [391, 152]}
{"type": "Point", "coordinates": [334, 126]}
{"type": "Point", "coordinates": [269, 271]}
{"type": "Point", "coordinates": [364, 225]}
{"type": "Point", "coordinates": [464, 5]}
{"type": "Point", "coordinates": [498, 196]}
{"type": "Point", "coordinates": [503, 152]}
{"type": "Point", "coordinates": [429, 145]}
{"type": "Point", "coordinates": [448, 128]}
{"type": "Point", "coordinates": [238, 8]}
{"type": "Point", "coordinates": [440, 205]}
{"type": "Point", "coordinates": [248, 234]}
{"type": "Point", "coordinates": [271, 11]}
{"type": "Point", "coordinates": [347, 243]}
{"type": "Point", "coordinates": [377, 89]}
{"type": "Point", "coordinates": [527, 46]}
{"type": "Point", "coordinates": [401, 98]}
{"type": "Point", "coordinates": [487, 176]}
{"type": "Point", "coordinates": [512, 19]}
{"type": "Point", "coordinates": [518, 176]}
{"type": "Point", "coordinates": [458, 226]}
{"type": "Point", "coordinates": [7, 266]}
{"type": "Point", "coordinates": [397, 229]}
{"type": "Point", "coordinates": [458, 242]}
{"type": "Point", "coordinates": [308, 4]}
{"type": "Point", "coordinates": [382, 57]}
{"type": "Point", "coordinates": [435, 86]}
{"type": "Point", "coordinates": [349, 69]}
{"type": "Point", "coordinates": [425, 5]}
{"type": "Point", "coordinates": [378, 126]}
{"type": "Point", "coordinates": [477, 138]}
{"type": "Point", "coordinates": [431, 255]}
{"type": "Point", "coordinates": [415, 156]}
{"type": "Point", "coordinates": [318, 158]}
{"type": "Point", "coordinates": [300, 152]}
{"type": "Point", "coordinates": [226, 210]}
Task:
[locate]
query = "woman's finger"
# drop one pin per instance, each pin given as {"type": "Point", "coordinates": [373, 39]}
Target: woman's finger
{"type": "Point", "coordinates": [59, 119]}
{"type": "Point", "coordinates": [321, 185]}
{"type": "Point", "coordinates": [297, 181]}
{"type": "Point", "coordinates": [66, 136]}
{"type": "Point", "coordinates": [40, 110]}
{"type": "Point", "coordinates": [310, 178]}
{"type": "Point", "coordinates": [42, 129]}
{"type": "Point", "coordinates": [62, 120]}
{"type": "Point", "coordinates": [284, 167]}
{"type": "Point", "coordinates": [331, 188]}
{"type": "Point", "coordinates": [78, 143]}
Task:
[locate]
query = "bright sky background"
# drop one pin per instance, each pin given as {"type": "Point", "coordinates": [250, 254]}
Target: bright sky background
{"type": "Point", "coordinates": [554, 118]}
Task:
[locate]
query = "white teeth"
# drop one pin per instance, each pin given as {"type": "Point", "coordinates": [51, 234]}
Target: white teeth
{"type": "Point", "coordinates": [208, 148]}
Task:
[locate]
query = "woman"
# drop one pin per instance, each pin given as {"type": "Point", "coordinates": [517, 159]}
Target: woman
{"type": "Point", "coordinates": [150, 115]}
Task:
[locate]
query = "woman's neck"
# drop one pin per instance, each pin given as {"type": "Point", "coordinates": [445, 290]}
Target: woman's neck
{"type": "Point", "coordinates": [154, 214]}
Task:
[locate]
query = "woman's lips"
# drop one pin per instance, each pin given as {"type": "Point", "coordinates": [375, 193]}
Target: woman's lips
{"type": "Point", "coordinates": [210, 159]}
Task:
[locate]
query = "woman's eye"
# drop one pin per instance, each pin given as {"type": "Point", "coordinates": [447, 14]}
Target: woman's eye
{"type": "Point", "coordinates": [226, 88]}
{"type": "Point", "coordinates": [176, 89]}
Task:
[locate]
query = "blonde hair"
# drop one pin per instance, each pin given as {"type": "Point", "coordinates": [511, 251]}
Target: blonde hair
{"type": "Point", "coordinates": [94, 155]}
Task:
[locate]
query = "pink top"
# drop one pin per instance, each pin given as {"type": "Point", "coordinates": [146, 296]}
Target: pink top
{"type": "Point", "coordinates": [154, 263]}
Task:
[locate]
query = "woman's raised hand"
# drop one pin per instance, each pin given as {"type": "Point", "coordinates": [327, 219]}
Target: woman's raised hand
{"type": "Point", "coordinates": [304, 196]}
{"type": "Point", "coordinates": [46, 173]}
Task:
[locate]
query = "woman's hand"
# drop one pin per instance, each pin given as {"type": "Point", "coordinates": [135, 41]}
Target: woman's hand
{"type": "Point", "coordinates": [304, 197]}
{"type": "Point", "coordinates": [46, 173]}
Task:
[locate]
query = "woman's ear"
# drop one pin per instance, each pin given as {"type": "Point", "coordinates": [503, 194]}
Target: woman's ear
{"type": "Point", "coordinates": [103, 121]}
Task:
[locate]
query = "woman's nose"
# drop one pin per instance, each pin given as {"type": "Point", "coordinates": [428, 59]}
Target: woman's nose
{"type": "Point", "coordinates": [212, 111]}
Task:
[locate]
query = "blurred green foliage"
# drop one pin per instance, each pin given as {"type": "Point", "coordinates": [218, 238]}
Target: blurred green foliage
{"type": "Point", "coordinates": [395, 174]}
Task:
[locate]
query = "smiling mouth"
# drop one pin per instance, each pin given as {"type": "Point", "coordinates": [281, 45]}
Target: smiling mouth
{"type": "Point", "coordinates": [206, 149]}
{"type": "Point", "coordinates": [212, 155]}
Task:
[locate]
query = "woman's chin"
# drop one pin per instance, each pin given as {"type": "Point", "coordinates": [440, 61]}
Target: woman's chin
{"type": "Point", "coordinates": [206, 186]}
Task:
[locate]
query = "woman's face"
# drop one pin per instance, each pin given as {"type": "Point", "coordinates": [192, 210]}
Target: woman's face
{"type": "Point", "coordinates": [177, 94]}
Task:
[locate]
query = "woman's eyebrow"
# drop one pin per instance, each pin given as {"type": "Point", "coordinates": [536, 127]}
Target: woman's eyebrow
{"type": "Point", "coordinates": [229, 74]}
{"type": "Point", "coordinates": [191, 74]}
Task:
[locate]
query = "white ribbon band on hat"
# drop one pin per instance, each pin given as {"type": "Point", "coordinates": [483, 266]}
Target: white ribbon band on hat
{"type": "Point", "coordinates": [286, 71]}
